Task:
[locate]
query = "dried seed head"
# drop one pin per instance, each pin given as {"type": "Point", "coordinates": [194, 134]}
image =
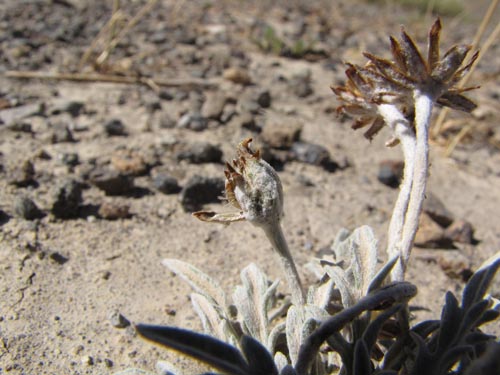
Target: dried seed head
{"type": "Point", "coordinates": [383, 81]}
{"type": "Point", "coordinates": [253, 187]}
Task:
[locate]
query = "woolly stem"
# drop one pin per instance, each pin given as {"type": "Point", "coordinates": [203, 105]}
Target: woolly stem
{"type": "Point", "coordinates": [402, 130]}
{"type": "Point", "coordinates": [274, 233]}
{"type": "Point", "coordinates": [423, 111]}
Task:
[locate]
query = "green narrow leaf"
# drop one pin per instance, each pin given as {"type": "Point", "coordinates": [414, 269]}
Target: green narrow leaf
{"type": "Point", "coordinates": [215, 353]}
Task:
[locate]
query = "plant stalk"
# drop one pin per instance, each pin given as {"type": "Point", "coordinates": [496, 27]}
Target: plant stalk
{"type": "Point", "coordinates": [402, 130]}
{"type": "Point", "coordinates": [423, 111]}
{"type": "Point", "coordinates": [275, 234]}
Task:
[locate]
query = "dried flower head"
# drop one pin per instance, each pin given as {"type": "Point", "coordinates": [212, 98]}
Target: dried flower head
{"type": "Point", "coordinates": [383, 81]}
{"type": "Point", "coordinates": [253, 187]}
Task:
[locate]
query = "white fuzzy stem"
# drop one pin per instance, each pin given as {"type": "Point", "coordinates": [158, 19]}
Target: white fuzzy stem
{"type": "Point", "coordinates": [275, 235]}
{"type": "Point", "coordinates": [402, 130]}
{"type": "Point", "coordinates": [423, 111]}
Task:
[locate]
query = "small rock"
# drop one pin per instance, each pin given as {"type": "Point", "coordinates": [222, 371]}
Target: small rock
{"type": "Point", "coordinates": [10, 115]}
{"type": "Point", "coordinates": [214, 105]}
{"type": "Point", "coordinates": [390, 172]}
{"type": "Point", "coordinates": [117, 320]}
{"type": "Point", "coordinates": [129, 163]}
{"type": "Point", "coordinates": [435, 208]}
{"type": "Point", "coordinates": [20, 126]}
{"type": "Point", "coordinates": [192, 121]}
{"type": "Point", "coordinates": [165, 121]}
{"type": "Point", "coordinates": [165, 94]}
{"type": "Point", "coordinates": [4, 218]}
{"type": "Point", "coordinates": [111, 182]}
{"type": "Point", "coordinates": [115, 127]}
{"type": "Point", "coordinates": [108, 362]}
{"type": "Point", "coordinates": [67, 199]}
{"type": "Point", "coordinates": [201, 152]}
{"type": "Point", "coordinates": [313, 154]}
{"type": "Point", "coordinates": [247, 121]}
{"type": "Point", "coordinates": [87, 360]}
{"type": "Point", "coordinates": [58, 258]}
{"type": "Point", "coordinates": [253, 100]}
{"type": "Point", "coordinates": [23, 176]}
{"type": "Point", "coordinates": [199, 191]}
{"type": "Point", "coordinates": [71, 159]}
{"type": "Point", "coordinates": [300, 84]}
{"type": "Point", "coordinates": [455, 265]}
{"type": "Point", "coordinates": [73, 107]}
{"type": "Point", "coordinates": [228, 113]}
{"type": "Point", "coordinates": [282, 134]}
{"type": "Point", "coordinates": [27, 209]}
{"type": "Point", "coordinates": [237, 75]}
{"type": "Point", "coordinates": [430, 235]}
{"type": "Point", "coordinates": [166, 184]}
{"type": "Point", "coordinates": [114, 211]}
{"type": "Point", "coordinates": [460, 231]}
{"type": "Point", "coordinates": [61, 133]}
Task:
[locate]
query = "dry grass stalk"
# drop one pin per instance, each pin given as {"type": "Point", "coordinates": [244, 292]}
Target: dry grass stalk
{"type": "Point", "coordinates": [96, 77]}
{"type": "Point", "coordinates": [438, 126]}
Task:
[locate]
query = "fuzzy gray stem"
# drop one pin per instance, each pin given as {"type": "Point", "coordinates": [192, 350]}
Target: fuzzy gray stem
{"type": "Point", "coordinates": [400, 126]}
{"type": "Point", "coordinates": [423, 111]}
{"type": "Point", "coordinates": [274, 233]}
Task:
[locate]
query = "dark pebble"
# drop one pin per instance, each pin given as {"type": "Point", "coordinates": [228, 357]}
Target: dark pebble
{"type": "Point", "coordinates": [4, 218]}
{"type": "Point", "coordinates": [114, 211]}
{"type": "Point", "coordinates": [73, 107]}
{"type": "Point", "coordinates": [70, 159]}
{"type": "Point", "coordinates": [20, 126]}
{"type": "Point", "coordinates": [166, 184]}
{"type": "Point", "coordinates": [166, 95]}
{"type": "Point", "coordinates": [192, 121]}
{"type": "Point", "coordinates": [61, 133]}
{"type": "Point", "coordinates": [264, 98]}
{"type": "Point", "coordinates": [247, 121]}
{"type": "Point", "coordinates": [23, 176]}
{"type": "Point", "coordinates": [390, 172]}
{"type": "Point", "coordinates": [314, 154]}
{"type": "Point", "coordinates": [58, 258]}
{"type": "Point", "coordinates": [27, 209]}
{"type": "Point", "coordinates": [461, 231]}
{"type": "Point", "coordinates": [300, 84]}
{"type": "Point", "coordinates": [67, 199]}
{"type": "Point", "coordinates": [111, 182]}
{"type": "Point", "coordinates": [199, 191]}
{"type": "Point", "coordinates": [115, 127]}
{"type": "Point", "coordinates": [165, 121]}
{"type": "Point", "coordinates": [201, 152]}
{"type": "Point", "coordinates": [117, 320]}
{"type": "Point", "coordinates": [436, 209]}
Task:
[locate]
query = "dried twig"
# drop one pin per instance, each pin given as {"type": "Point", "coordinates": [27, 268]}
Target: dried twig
{"type": "Point", "coordinates": [95, 77]}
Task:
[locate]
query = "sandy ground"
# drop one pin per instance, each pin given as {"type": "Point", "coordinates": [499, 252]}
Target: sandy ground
{"type": "Point", "coordinates": [64, 279]}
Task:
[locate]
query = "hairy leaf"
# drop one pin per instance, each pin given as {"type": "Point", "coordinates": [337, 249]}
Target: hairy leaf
{"type": "Point", "coordinates": [199, 281]}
